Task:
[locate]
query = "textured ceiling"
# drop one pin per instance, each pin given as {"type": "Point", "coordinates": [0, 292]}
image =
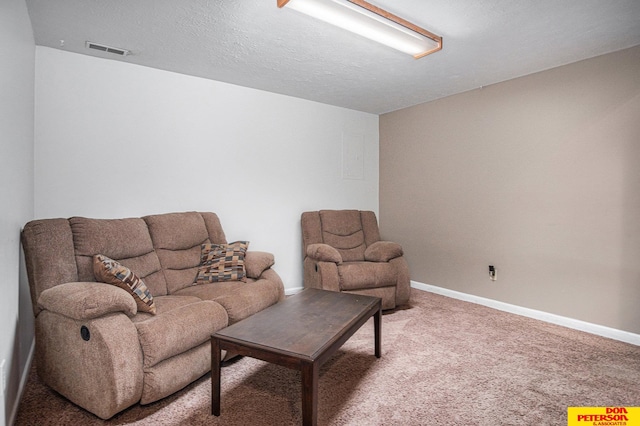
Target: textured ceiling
{"type": "Point", "coordinates": [253, 43]}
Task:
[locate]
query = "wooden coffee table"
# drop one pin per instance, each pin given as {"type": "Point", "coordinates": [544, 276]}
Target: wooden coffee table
{"type": "Point", "coordinates": [301, 333]}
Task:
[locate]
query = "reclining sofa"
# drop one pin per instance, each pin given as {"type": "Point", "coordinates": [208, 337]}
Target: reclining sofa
{"type": "Point", "coordinates": [94, 345]}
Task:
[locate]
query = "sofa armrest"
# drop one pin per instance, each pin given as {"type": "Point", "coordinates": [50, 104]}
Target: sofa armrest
{"type": "Point", "coordinates": [95, 363]}
{"type": "Point", "coordinates": [256, 262]}
{"type": "Point", "coordinates": [324, 253]}
{"type": "Point", "coordinates": [383, 251]}
{"type": "Point", "coordinates": [86, 300]}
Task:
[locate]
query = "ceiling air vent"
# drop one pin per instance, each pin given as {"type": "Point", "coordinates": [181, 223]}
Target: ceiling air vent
{"type": "Point", "coordinates": [108, 49]}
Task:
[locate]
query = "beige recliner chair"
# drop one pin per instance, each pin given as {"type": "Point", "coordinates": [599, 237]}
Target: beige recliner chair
{"type": "Point", "coordinates": [342, 252]}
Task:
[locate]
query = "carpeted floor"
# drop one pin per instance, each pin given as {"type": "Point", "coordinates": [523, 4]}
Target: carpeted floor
{"type": "Point", "coordinates": [444, 362]}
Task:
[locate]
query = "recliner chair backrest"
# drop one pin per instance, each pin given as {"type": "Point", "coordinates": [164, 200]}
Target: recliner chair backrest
{"type": "Point", "coordinates": [348, 231]}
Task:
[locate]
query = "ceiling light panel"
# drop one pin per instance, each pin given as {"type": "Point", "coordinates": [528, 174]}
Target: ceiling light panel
{"type": "Point", "coordinates": [371, 22]}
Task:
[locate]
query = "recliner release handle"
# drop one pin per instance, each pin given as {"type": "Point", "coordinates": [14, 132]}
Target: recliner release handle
{"type": "Point", "coordinates": [84, 332]}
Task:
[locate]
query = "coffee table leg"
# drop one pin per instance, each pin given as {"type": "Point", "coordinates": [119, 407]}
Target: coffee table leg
{"type": "Point", "coordinates": [215, 376]}
{"type": "Point", "coordinates": [310, 393]}
{"type": "Point", "coordinates": [377, 325]}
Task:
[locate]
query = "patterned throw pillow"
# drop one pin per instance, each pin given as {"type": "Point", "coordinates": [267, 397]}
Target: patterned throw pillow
{"type": "Point", "coordinates": [222, 262]}
{"type": "Point", "coordinates": [109, 271]}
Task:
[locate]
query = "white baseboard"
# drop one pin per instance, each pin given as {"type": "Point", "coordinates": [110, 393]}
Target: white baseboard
{"type": "Point", "coordinates": [23, 382]}
{"type": "Point", "coordinates": [612, 333]}
{"type": "Point", "coordinates": [294, 290]}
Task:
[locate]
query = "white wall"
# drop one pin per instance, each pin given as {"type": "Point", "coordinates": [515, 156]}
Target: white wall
{"type": "Point", "coordinates": [16, 191]}
{"type": "Point", "coordinates": [120, 140]}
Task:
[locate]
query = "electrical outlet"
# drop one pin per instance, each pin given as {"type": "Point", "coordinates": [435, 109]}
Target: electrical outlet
{"type": "Point", "coordinates": [493, 273]}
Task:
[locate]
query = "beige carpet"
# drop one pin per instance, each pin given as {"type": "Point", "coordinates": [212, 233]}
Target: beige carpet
{"type": "Point", "coordinates": [444, 362]}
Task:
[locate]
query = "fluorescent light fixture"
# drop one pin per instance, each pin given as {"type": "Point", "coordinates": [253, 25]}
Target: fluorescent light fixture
{"type": "Point", "coordinates": [370, 21]}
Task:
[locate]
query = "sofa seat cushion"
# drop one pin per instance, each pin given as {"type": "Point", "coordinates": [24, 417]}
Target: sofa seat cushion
{"type": "Point", "coordinates": [361, 275]}
{"type": "Point", "coordinates": [239, 299]}
{"type": "Point", "coordinates": [173, 331]}
{"type": "Point", "coordinates": [165, 304]}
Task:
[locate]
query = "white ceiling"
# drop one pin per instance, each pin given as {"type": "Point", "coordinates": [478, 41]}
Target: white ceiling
{"type": "Point", "coordinates": [253, 43]}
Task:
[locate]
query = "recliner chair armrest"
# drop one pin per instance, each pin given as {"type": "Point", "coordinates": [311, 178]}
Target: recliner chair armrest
{"type": "Point", "coordinates": [324, 253]}
{"type": "Point", "coordinates": [383, 251]}
{"type": "Point", "coordinates": [87, 300]}
{"type": "Point", "coordinates": [256, 262]}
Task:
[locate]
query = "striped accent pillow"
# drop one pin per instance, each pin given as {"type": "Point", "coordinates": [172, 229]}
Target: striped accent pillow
{"type": "Point", "coordinates": [111, 272]}
{"type": "Point", "coordinates": [222, 262]}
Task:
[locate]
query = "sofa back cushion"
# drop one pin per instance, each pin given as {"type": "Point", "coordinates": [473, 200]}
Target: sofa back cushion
{"type": "Point", "coordinates": [58, 251]}
{"type": "Point", "coordinates": [124, 240]}
{"type": "Point", "coordinates": [177, 239]}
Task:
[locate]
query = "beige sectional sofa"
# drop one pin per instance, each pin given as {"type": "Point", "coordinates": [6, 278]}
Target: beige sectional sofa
{"type": "Point", "coordinates": [93, 345]}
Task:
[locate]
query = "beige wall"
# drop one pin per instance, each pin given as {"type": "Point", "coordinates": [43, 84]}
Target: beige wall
{"type": "Point", "coordinates": [539, 176]}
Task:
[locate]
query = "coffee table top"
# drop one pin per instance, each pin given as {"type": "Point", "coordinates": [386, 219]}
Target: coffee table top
{"type": "Point", "coordinates": [302, 325]}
